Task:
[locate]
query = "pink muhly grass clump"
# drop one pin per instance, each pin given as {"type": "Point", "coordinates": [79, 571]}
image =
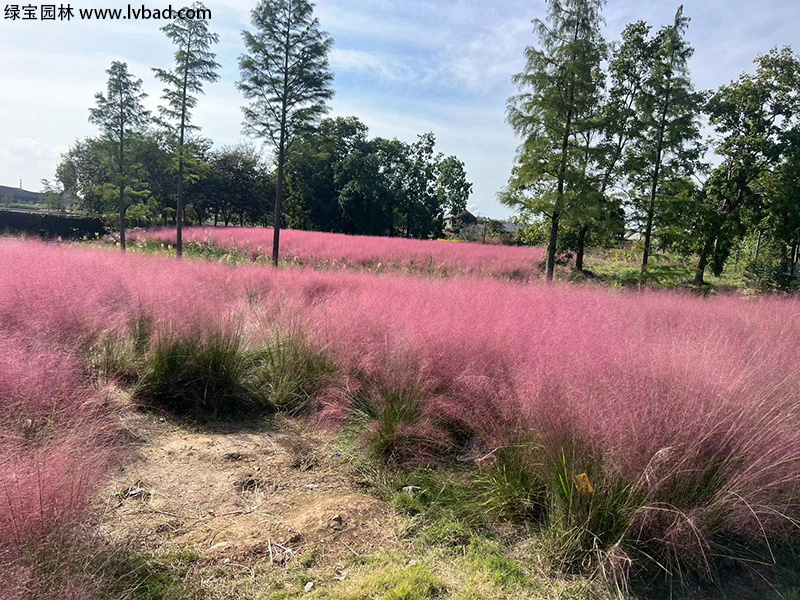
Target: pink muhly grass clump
{"type": "Point", "coordinates": [319, 249]}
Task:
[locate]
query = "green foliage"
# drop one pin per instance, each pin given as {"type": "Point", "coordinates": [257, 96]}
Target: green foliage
{"type": "Point", "coordinates": [511, 487]}
{"type": "Point", "coordinates": [389, 418]}
{"type": "Point", "coordinates": [204, 376]}
{"type": "Point", "coordinates": [235, 188]}
{"type": "Point", "coordinates": [122, 357]}
{"type": "Point", "coordinates": [555, 114]}
{"type": "Point", "coordinates": [207, 376]}
{"type": "Point", "coordinates": [195, 65]}
{"type": "Point", "coordinates": [765, 277]}
{"type": "Point", "coordinates": [341, 181]}
{"type": "Point", "coordinates": [388, 578]}
{"type": "Point", "coordinates": [284, 71]}
{"type": "Point", "coordinates": [291, 373]}
{"type": "Point", "coordinates": [755, 119]}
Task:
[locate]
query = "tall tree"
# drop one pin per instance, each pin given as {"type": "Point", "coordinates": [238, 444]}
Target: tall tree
{"type": "Point", "coordinates": [668, 109]}
{"type": "Point", "coordinates": [119, 113]}
{"type": "Point", "coordinates": [559, 88]}
{"type": "Point", "coordinates": [286, 78]}
{"type": "Point", "coordinates": [756, 122]}
{"type": "Point", "coordinates": [195, 65]}
{"type": "Point", "coordinates": [618, 127]}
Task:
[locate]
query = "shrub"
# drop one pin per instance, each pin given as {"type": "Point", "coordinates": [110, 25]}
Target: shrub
{"type": "Point", "coordinates": [210, 375]}
{"type": "Point", "coordinates": [765, 277]}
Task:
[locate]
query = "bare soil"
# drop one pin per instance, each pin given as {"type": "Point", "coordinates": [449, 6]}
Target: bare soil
{"type": "Point", "coordinates": [267, 494]}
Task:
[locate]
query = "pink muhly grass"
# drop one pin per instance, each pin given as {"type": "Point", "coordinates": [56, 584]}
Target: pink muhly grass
{"type": "Point", "coordinates": [329, 250]}
{"type": "Point", "coordinates": [691, 401]}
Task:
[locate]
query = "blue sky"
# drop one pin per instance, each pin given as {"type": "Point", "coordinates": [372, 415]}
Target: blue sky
{"type": "Point", "coordinates": [403, 66]}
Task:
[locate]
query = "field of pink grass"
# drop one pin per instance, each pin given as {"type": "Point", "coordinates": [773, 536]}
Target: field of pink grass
{"type": "Point", "coordinates": [693, 401]}
{"type": "Point", "coordinates": [376, 253]}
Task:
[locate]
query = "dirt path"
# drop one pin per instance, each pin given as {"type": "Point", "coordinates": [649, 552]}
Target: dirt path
{"type": "Point", "coordinates": [264, 495]}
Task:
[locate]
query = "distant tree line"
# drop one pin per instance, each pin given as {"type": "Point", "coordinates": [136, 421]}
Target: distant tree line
{"type": "Point", "coordinates": [337, 180]}
{"type": "Point", "coordinates": [611, 140]}
{"type": "Point", "coordinates": [326, 174]}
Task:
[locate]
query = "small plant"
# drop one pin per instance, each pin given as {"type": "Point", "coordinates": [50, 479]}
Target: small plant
{"type": "Point", "coordinates": [290, 373]}
{"type": "Point", "coordinates": [512, 485]}
{"type": "Point", "coordinates": [121, 357]}
{"type": "Point", "coordinates": [393, 428]}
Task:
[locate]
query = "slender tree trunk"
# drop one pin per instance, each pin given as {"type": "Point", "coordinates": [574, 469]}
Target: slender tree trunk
{"type": "Point", "coordinates": [122, 206]}
{"type": "Point", "coordinates": [581, 248]}
{"type": "Point", "coordinates": [276, 237]}
{"type": "Point", "coordinates": [551, 248]}
{"type": "Point", "coordinates": [179, 202]}
{"type": "Point", "coordinates": [702, 263]}
{"type": "Point", "coordinates": [651, 206]}
{"type": "Point", "coordinates": [562, 170]}
{"type": "Point", "coordinates": [758, 244]}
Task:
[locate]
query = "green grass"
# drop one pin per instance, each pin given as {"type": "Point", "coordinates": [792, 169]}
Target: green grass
{"type": "Point", "coordinates": [387, 577]}
{"type": "Point", "coordinates": [209, 376]}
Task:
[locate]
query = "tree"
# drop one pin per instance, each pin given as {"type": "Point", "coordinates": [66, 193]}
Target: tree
{"type": "Point", "coordinates": [755, 119]}
{"type": "Point", "coordinates": [235, 187]}
{"type": "Point", "coordinates": [668, 110]}
{"type": "Point", "coordinates": [340, 180]}
{"type": "Point", "coordinates": [559, 88]}
{"type": "Point", "coordinates": [119, 114]}
{"type": "Point", "coordinates": [195, 65]}
{"type": "Point", "coordinates": [82, 169]}
{"type": "Point", "coordinates": [452, 188]}
{"type": "Point", "coordinates": [601, 219]}
{"type": "Point", "coordinates": [53, 196]}
{"type": "Point", "coordinates": [321, 166]}
{"type": "Point", "coordinates": [285, 76]}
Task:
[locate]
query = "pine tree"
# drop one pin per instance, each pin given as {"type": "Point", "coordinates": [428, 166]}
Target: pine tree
{"type": "Point", "coordinates": [559, 89]}
{"type": "Point", "coordinates": [285, 76]}
{"type": "Point", "coordinates": [120, 114]}
{"type": "Point", "coordinates": [668, 109]}
{"type": "Point", "coordinates": [195, 65]}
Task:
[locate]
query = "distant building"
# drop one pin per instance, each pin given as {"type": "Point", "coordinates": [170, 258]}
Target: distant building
{"type": "Point", "coordinates": [465, 219]}
{"type": "Point", "coordinates": [508, 227]}
{"type": "Point", "coordinates": [13, 195]}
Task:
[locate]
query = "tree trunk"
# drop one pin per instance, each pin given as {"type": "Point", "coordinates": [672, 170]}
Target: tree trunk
{"type": "Point", "coordinates": [581, 248]}
{"type": "Point", "coordinates": [276, 234]}
{"type": "Point", "coordinates": [179, 212]}
{"type": "Point", "coordinates": [551, 248]}
{"type": "Point", "coordinates": [179, 202]}
{"type": "Point", "coordinates": [708, 248]}
{"type": "Point", "coordinates": [122, 207]}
